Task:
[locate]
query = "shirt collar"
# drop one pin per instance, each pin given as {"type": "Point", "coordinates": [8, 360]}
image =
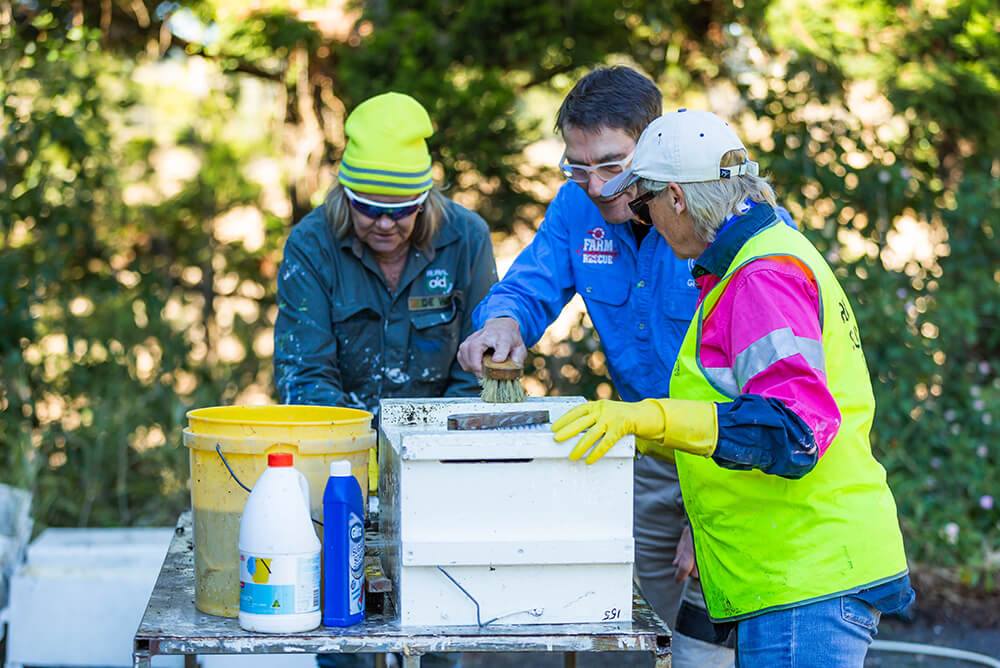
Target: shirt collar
{"type": "Point", "coordinates": [731, 237]}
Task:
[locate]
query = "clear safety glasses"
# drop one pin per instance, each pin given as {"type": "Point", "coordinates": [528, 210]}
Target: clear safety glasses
{"type": "Point", "coordinates": [605, 171]}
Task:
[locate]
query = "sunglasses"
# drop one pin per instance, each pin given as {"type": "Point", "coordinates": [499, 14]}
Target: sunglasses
{"type": "Point", "coordinates": [375, 210]}
{"type": "Point", "coordinates": [640, 207]}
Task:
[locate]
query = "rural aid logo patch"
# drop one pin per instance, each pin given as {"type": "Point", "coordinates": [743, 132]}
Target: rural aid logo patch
{"type": "Point", "coordinates": [438, 281]}
{"type": "Point", "coordinates": [598, 248]}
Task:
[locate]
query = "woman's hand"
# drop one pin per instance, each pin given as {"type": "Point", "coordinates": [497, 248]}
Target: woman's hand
{"type": "Point", "coordinates": [608, 421]}
{"type": "Point", "coordinates": [660, 426]}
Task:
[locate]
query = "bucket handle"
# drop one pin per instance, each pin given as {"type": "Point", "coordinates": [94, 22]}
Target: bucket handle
{"type": "Point", "coordinates": [218, 448]}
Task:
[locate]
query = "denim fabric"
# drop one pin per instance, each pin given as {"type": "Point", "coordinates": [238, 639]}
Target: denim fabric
{"type": "Point", "coordinates": [891, 596]}
{"type": "Point", "coordinates": [834, 632]}
{"type": "Point", "coordinates": [757, 432]}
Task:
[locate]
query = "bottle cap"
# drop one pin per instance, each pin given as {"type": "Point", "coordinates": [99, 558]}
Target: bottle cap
{"type": "Point", "coordinates": [340, 468]}
{"type": "Point", "coordinates": [279, 459]}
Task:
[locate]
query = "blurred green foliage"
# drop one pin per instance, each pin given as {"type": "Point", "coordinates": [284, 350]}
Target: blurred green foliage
{"type": "Point", "coordinates": [142, 215]}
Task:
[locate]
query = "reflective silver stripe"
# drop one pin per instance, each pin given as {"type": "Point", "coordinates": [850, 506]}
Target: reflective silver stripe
{"type": "Point", "coordinates": [774, 347]}
{"type": "Point", "coordinates": [723, 379]}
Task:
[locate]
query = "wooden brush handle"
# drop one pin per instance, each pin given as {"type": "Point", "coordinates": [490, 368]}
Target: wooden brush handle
{"type": "Point", "coordinates": [506, 370]}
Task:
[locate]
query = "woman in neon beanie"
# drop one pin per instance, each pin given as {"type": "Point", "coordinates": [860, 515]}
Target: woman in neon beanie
{"type": "Point", "coordinates": [377, 286]}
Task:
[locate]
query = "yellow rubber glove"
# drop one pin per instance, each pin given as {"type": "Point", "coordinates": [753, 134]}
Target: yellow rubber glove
{"type": "Point", "coordinates": [665, 424]}
{"type": "Point", "coordinates": [656, 450]}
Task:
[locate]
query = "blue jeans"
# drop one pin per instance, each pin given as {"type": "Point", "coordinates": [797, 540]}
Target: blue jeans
{"type": "Point", "coordinates": [835, 632]}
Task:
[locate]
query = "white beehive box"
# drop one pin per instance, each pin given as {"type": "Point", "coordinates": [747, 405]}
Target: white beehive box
{"type": "Point", "coordinates": [80, 595]}
{"type": "Point", "coordinates": [531, 536]}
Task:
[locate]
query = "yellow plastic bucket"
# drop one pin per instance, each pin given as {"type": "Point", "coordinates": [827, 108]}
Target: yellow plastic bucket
{"type": "Point", "coordinates": [244, 435]}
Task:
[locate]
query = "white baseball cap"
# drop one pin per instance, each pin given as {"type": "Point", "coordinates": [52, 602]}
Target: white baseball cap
{"type": "Point", "coordinates": [684, 146]}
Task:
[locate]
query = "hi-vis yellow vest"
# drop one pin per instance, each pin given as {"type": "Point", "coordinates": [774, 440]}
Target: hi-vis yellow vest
{"type": "Point", "coordinates": [764, 542]}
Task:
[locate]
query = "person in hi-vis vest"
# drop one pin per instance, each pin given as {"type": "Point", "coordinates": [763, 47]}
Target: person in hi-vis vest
{"type": "Point", "coordinates": [796, 535]}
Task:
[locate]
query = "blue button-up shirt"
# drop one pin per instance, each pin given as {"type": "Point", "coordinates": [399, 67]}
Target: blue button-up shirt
{"type": "Point", "coordinates": [640, 297]}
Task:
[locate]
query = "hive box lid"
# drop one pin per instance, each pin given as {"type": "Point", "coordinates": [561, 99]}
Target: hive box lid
{"type": "Point", "coordinates": [417, 430]}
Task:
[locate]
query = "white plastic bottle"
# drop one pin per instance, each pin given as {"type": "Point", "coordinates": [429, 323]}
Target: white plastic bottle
{"type": "Point", "coordinates": [279, 553]}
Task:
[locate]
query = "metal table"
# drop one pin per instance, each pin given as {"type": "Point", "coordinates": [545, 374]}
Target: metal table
{"type": "Point", "coordinates": [172, 625]}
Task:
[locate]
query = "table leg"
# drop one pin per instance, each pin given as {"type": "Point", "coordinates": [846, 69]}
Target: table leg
{"type": "Point", "coordinates": [569, 659]}
{"type": "Point", "coordinates": [380, 661]}
{"type": "Point", "coordinates": [190, 661]}
{"type": "Point", "coordinates": [411, 661]}
{"type": "Point", "coordinates": [140, 654]}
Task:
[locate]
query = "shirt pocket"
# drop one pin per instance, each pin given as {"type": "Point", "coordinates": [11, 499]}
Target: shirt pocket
{"type": "Point", "coordinates": [603, 287]}
{"type": "Point", "coordinates": [358, 330]}
{"type": "Point", "coordinates": [434, 339]}
{"type": "Point", "coordinates": [429, 312]}
{"type": "Point", "coordinates": [678, 304]}
{"type": "Point", "coordinates": [436, 327]}
{"type": "Point", "coordinates": [676, 309]}
{"type": "Point", "coordinates": [352, 313]}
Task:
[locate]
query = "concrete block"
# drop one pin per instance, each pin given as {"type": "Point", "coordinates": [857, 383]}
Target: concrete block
{"type": "Point", "coordinates": [80, 594]}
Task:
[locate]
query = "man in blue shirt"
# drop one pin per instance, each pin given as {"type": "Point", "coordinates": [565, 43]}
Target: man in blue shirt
{"type": "Point", "coordinates": [639, 296]}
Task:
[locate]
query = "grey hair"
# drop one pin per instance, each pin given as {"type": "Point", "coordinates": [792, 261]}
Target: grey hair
{"type": "Point", "coordinates": [338, 214]}
{"type": "Point", "coordinates": [711, 202]}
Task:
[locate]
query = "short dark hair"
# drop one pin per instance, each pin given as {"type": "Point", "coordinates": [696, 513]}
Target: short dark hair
{"type": "Point", "coordinates": [611, 97]}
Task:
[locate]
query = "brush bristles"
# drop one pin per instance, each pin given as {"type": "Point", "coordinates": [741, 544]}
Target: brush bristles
{"type": "Point", "coordinates": [501, 391]}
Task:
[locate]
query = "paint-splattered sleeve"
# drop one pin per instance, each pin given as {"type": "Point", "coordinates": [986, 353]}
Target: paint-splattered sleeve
{"type": "Point", "coordinates": [305, 345]}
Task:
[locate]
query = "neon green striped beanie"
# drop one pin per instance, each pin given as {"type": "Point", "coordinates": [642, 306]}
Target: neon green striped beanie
{"type": "Point", "coordinates": [386, 153]}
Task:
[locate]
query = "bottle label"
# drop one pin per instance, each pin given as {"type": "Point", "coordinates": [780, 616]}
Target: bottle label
{"type": "Point", "coordinates": [356, 584]}
{"type": "Point", "coordinates": [279, 585]}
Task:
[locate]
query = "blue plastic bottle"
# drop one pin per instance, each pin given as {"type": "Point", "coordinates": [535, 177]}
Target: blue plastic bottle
{"type": "Point", "coordinates": [343, 548]}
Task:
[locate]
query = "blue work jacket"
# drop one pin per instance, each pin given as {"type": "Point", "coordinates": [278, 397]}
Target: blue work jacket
{"type": "Point", "coordinates": [639, 297]}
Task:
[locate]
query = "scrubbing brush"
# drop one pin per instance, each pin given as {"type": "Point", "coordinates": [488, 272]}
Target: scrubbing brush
{"type": "Point", "coordinates": [501, 381]}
